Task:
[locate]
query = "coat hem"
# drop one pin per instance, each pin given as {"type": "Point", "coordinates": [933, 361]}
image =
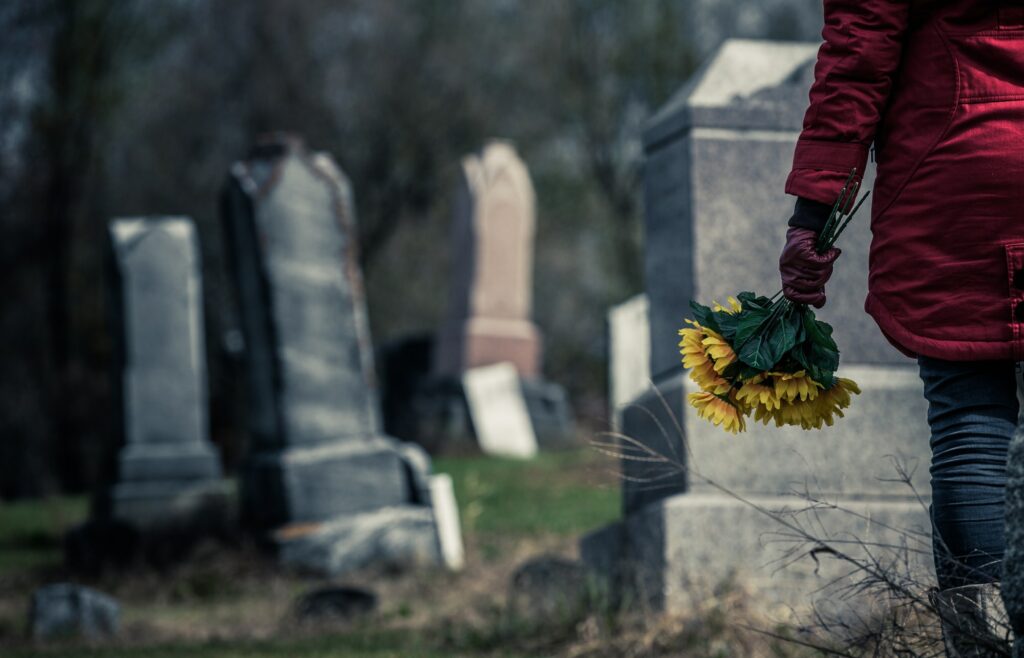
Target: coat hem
{"type": "Point", "coordinates": [914, 345]}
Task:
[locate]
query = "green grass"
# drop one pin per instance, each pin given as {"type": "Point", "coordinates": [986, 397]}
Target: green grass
{"type": "Point", "coordinates": [502, 501]}
{"type": "Point", "coordinates": [31, 531]}
{"type": "Point", "coordinates": [555, 493]}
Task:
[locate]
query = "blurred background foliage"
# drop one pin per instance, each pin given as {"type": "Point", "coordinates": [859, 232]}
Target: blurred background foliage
{"type": "Point", "coordinates": [129, 107]}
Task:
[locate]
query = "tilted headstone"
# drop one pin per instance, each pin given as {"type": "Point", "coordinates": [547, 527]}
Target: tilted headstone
{"type": "Point", "coordinates": [446, 513]}
{"type": "Point", "coordinates": [166, 464]}
{"type": "Point", "coordinates": [717, 157]}
{"type": "Point", "coordinates": [498, 411]}
{"type": "Point", "coordinates": [488, 318]}
{"type": "Point", "coordinates": [318, 461]}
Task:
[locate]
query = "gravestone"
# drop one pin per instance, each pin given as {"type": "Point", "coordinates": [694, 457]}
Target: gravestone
{"type": "Point", "coordinates": [629, 355]}
{"type": "Point", "coordinates": [320, 474]}
{"type": "Point", "coordinates": [488, 320]}
{"type": "Point", "coordinates": [446, 513]}
{"type": "Point", "coordinates": [717, 157]}
{"type": "Point", "coordinates": [489, 309]}
{"type": "Point", "coordinates": [498, 411]}
{"type": "Point", "coordinates": [166, 471]}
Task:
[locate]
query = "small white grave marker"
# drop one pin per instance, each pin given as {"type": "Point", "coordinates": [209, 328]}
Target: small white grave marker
{"type": "Point", "coordinates": [629, 372]}
{"type": "Point", "coordinates": [498, 410]}
{"type": "Point", "coordinates": [446, 517]}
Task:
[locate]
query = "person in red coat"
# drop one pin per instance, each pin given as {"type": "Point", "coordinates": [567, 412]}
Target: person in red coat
{"type": "Point", "coordinates": [937, 87]}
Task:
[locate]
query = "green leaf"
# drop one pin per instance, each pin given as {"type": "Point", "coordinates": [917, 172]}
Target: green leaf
{"type": "Point", "coordinates": [751, 301]}
{"type": "Point", "coordinates": [767, 346]}
{"type": "Point", "coordinates": [824, 377]}
{"type": "Point", "coordinates": [704, 316]}
{"type": "Point", "coordinates": [820, 333]}
{"type": "Point", "coordinates": [820, 362]}
{"type": "Point", "coordinates": [727, 325]}
{"type": "Point", "coordinates": [749, 322]}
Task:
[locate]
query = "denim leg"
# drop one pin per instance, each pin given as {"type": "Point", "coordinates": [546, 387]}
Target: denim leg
{"type": "Point", "coordinates": [972, 412]}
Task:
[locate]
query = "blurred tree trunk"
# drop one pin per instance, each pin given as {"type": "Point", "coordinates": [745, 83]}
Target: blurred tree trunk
{"type": "Point", "coordinates": [67, 123]}
{"type": "Point", "coordinates": [611, 65]}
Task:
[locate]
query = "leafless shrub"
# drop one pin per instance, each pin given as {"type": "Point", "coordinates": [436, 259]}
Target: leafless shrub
{"type": "Point", "coordinates": [884, 601]}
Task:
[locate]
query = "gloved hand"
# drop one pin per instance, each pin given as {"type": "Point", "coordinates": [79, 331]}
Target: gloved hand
{"type": "Point", "coordinates": [805, 271]}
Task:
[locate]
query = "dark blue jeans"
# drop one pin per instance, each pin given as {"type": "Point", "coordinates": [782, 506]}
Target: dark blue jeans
{"type": "Point", "coordinates": [972, 411]}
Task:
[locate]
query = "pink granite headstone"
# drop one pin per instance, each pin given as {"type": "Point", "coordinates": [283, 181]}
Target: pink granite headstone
{"type": "Point", "coordinates": [488, 318]}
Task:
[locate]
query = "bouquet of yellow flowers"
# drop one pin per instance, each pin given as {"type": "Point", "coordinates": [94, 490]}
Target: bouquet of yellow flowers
{"type": "Point", "coordinates": [768, 356]}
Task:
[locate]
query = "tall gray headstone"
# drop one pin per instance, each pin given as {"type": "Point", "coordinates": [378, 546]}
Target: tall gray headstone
{"type": "Point", "coordinates": [166, 460]}
{"type": "Point", "coordinates": [717, 157]}
{"type": "Point", "coordinates": [316, 446]}
{"type": "Point", "coordinates": [318, 465]}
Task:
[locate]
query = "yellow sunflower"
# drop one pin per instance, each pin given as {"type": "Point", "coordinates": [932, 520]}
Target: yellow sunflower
{"type": "Point", "coordinates": [754, 393]}
{"type": "Point", "coordinates": [833, 400]}
{"type": "Point", "coordinates": [733, 308]}
{"type": "Point", "coordinates": [692, 348]}
{"type": "Point", "coordinates": [804, 413]}
{"type": "Point", "coordinates": [719, 350]}
{"type": "Point", "coordinates": [702, 365]}
{"type": "Point", "coordinates": [720, 412]}
{"type": "Point", "coordinates": [709, 380]}
{"type": "Point", "coordinates": [812, 413]}
{"type": "Point", "coordinates": [765, 415]}
{"type": "Point", "coordinates": [792, 385]}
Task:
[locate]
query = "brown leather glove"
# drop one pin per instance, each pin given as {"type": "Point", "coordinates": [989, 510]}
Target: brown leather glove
{"type": "Point", "coordinates": [805, 271]}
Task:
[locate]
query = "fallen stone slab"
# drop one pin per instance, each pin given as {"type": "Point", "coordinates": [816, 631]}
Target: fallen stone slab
{"type": "Point", "coordinates": [65, 610]}
{"type": "Point", "coordinates": [335, 603]}
{"type": "Point", "coordinates": [549, 590]}
{"type": "Point", "coordinates": [399, 537]}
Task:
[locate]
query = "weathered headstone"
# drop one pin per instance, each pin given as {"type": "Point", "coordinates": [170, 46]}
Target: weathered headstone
{"type": "Point", "coordinates": [166, 468]}
{"type": "Point", "coordinates": [629, 355]}
{"type": "Point", "coordinates": [498, 411]}
{"type": "Point", "coordinates": [717, 158]}
{"type": "Point", "coordinates": [319, 473]}
{"type": "Point", "coordinates": [489, 310]}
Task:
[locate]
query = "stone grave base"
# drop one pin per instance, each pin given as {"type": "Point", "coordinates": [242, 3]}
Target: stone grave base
{"type": "Point", "coordinates": [197, 461]}
{"type": "Point", "coordinates": [155, 522]}
{"type": "Point", "coordinates": [395, 537]}
{"type": "Point", "coordinates": [158, 506]}
{"type": "Point", "coordinates": [298, 485]}
{"type": "Point", "coordinates": [672, 553]}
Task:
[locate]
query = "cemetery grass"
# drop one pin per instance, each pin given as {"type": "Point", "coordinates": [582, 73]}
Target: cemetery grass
{"type": "Point", "coordinates": [232, 601]}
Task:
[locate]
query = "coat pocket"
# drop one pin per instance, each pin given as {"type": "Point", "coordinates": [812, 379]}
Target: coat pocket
{"type": "Point", "coordinates": [991, 65]}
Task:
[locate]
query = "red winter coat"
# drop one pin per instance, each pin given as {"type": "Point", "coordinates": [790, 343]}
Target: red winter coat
{"type": "Point", "coordinates": [939, 88]}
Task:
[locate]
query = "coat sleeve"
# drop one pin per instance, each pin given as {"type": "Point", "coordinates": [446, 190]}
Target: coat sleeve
{"type": "Point", "coordinates": [852, 78]}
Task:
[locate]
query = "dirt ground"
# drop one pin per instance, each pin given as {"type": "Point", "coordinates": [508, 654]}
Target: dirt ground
{"type": "Point", "coordinates": [233, 600]}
